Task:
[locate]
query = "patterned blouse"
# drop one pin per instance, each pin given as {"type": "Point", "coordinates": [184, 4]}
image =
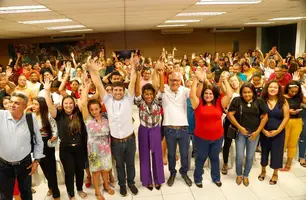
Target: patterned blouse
{"type": "Point", "coordinates": [150, 115]}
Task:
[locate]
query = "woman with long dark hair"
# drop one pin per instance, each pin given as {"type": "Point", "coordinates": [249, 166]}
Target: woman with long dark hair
{"type": "Point", "coordinates": [249, 115]}
{"type": "Point", "coordinates": [293, 94]}
{"type": "Point", "coordinates": [48, 129]}
{"type": "Point", "coordinates": [208, 132]}
{"type": "Point", "coordinates": [273, 135]}
{"type": "Point", "coordinates": [73, 136]}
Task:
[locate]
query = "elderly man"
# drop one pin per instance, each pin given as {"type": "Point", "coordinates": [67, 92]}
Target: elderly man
{"type": "Point", "coordinates": [15, 144]}
{"type": "Point", "coordinates": [176, 125]}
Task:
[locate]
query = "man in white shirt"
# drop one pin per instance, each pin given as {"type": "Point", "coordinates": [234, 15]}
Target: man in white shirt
{"type": "Point", "coordinates": [119, 106]}
{"type": "Point", "coordinates": [34, 83]}
{"type": "Point", "coordinates": [176, 125]}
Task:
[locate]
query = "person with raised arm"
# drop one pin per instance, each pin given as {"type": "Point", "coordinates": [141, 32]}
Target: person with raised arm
{"type": "Point", "coordinates": [119, 108]}
{"type": "Point", "coordinates": [149, 132]}
{"type": "Point", "coordinates": [98, 143]}
{"type": "Point", "coordinates": [73, 136]}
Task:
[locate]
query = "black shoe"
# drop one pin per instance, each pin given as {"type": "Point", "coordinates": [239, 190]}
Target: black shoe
{"type": "Point", "coordinates": [187, 180]}
{"type": "Point", "coordinates": [150, 188]}
{"type": "Point", "coordinates": [123, 191]}
{"type": "Point", "coordinates": [171, 180]}
{"type": "Point", "coordinates": [219, 184]}
{"type": "Point", "coordinates": [199, 185]}
{"type": "Point", "coordinates": [157, 187]}
{"type": "Point", "coordinates": [133, 189]}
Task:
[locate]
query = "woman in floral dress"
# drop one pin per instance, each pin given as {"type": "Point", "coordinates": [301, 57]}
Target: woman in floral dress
{"type": "Point", "coordinates": [98, 144]}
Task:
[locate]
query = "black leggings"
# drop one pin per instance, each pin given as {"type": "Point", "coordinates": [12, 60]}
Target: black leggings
{"type": "Point", "coordinates": [73, 160]}
{"type": "Point", "coordinates": [48, 166]}
{"type": "Point", "coordinates": [227, 141]}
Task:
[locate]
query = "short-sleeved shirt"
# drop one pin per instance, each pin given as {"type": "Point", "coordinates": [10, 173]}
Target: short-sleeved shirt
{"type": "Point", "coordinates": [63, 120]}
{"type": "Point", "coordinates": [149, 115]}
{"type": "Point", "coordinates": [120, 115]}
{"type": "Point", "coordinates": [175, 106]}
{"type": "Point", "coordinates": [250, 118]}
{"type": "Point", "coordinates": [295, 103]}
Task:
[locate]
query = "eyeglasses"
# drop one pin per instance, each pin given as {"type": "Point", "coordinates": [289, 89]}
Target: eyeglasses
{"type": "Point", "coordinates": [174, 80]}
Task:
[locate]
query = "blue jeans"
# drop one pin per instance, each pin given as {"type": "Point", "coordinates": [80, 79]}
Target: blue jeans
{"type": "Point", "coordinates": [302, 140]}
{"type": "Point", "coordinates": [242, 143]}
{"type": "Point", "coordinates": [124, 154]}
{"type": "Point", "coordinates": [211, 149]}
{"type": "Point", "coordinates": [180, 137]}
{"type": "Point", "coordinates": [8, 175]}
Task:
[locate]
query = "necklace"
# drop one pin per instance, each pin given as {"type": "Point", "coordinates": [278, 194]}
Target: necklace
{"type": "Point", "coordinates": [249, 105]}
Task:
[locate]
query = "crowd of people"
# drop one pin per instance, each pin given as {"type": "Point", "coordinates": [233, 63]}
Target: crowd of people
{"type": "Point", "coordinates": [86, 108]}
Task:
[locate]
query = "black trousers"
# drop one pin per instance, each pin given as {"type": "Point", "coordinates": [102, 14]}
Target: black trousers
{"type": "Point", "coordinates": [73, 160]}
{"type": "Point", "coordinates": [124, 154]}
{"type": "Point", "coordinates": [48, 166]}
{"type": "Point", "coordinates": [8, 175]}
{"type": "Point", "coordinates": [227, 141]}
{"type": "Point", "coordinates": [275, 147]}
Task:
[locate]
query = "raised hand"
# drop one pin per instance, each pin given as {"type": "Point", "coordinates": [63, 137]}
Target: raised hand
{"type": "Point", "coordinates": [72, 54]}
{"type": "Point", "coordinates": [95, 66]}
{"type": "Point", "coordinates": [68, 67]}
{"type": "Point", "coordinates": [296, 76]}
{"type": "Point", "coordinates": [56, 62]}
{"type": "Point", "coordinates": [18, 55]}
{"type": "Point", "coordinates": [113, 54]}
{"type": "Point", "coordinates": [134, 60]}
{"type": "Point", "coordinates": [47, 84]}
{"type": "Point", "coordinates": [193, 55]}
{"type": "Point", "coordinates": [174, 49]}
{"type": "Point", "coordinates": [85, 78]}
{"type": "Point", "coordinates": [201, 75]}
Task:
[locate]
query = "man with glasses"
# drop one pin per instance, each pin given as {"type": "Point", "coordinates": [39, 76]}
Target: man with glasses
{"type": "Point", "coordinates": [281, 75]}
{"type": "Point", "coordinates": [176, 125]}
{"type": "Point", "coordinates": [15, 143]}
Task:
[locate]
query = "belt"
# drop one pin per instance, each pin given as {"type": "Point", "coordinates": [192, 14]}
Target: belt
{"type": "Point", "coordinates": [27, 158]}
{"type": "Point", "coordinates": [123, 139]}
{"type": "Point", "coordinates": [70, 145]}
{"type": "Point", "coordinates": [176, 127]}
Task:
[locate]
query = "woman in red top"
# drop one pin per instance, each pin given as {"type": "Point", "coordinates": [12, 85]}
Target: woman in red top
{"type": "Point", "coordinates": [208, 139]}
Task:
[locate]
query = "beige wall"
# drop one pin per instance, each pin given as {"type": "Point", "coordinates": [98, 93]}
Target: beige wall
{"type": "Point", "coordinates": [151, 42]}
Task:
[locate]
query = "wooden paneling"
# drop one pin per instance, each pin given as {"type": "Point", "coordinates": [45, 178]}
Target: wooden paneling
{"type": "Point", "coordinates": [151, 42]}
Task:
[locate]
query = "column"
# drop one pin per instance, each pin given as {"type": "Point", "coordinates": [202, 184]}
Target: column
{"type": "Point", "coordinates": [300, 43]}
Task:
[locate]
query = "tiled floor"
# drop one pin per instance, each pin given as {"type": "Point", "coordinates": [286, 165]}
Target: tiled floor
{"type": "Point", "coordinates": [291, 186]}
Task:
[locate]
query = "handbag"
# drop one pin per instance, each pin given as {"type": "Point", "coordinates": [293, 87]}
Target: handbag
{"type": "Point", "coordinates": [232, 130]}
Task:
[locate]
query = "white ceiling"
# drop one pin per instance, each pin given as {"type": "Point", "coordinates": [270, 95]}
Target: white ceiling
{"type": "Point", "coordinates": [120, 15]}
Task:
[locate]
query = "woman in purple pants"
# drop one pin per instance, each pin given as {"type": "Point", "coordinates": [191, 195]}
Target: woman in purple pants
{"type": "Point", "coordinates": [149, 133]}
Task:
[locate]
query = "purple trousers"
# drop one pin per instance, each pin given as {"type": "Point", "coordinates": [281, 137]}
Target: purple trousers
{"type": "Point", "coordinates": [149, 140]}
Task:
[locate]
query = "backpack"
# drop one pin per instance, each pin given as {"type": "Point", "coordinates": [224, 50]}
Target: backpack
{"type": "Point", "coordinates": [29, 119]}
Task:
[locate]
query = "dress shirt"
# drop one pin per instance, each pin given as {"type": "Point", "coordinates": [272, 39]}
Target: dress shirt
{"type": "Point", "coordinates": [15, 138]}
{"type": "Point", "coordinates": [120, 115]}
{"type": "Point", "coordinates": [175, 106]}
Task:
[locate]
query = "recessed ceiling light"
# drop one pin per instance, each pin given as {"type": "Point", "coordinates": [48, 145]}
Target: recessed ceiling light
{"type": "Point", "coordinates": [78, 30]}
{"type": "Point", "coordinates": [258, 23]}
{"type": "Point", "coordinates": [65, 27]}
{"type": "Point", "coordinates": [201, 14]}
{"type": "Point", "coordinates": [183, 21]}
{"type": "Point", "coordinates": [287, 18]}
{"type": "Point", "coordinates": [227, 2]}
{"type": "Point", "coordinates": [45, 21]}
{"type": "Point", "coordinates": [170, 25]}
{"type": "Point", "coordinates": [23, 9]}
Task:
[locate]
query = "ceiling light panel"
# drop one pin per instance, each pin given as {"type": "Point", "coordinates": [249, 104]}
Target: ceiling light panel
{"type": "Point", "coordinates": [200, 14]}
{"type": "Point", "coordinates": [23, 9]}
{"type": "Point", "coordinates": [227, 2]}
{"type": "Point", "coordinates": [65, 27]}
{"type": "Point", "coordinates": [170, 25]}
{"type": "Point", "coordinates": [183, 21]}
{"type": "Point", "coordinates": [45, 21]}
{"type": "Point", "coordinates": [287, 18]}
{"type": "Point", "coordinates": [78, 30]}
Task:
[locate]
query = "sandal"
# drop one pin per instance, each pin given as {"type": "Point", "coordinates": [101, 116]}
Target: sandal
{"type": "Point", "coordinates": [262, 176]}
{"type": "Point", "coordinates": [88, 182]}
{"type": "Point", "coordinates": [112, 182]}
{"type": "Point", "coordinates": [99, 196]}
{"type": "Point", "coordinates": [49, 193]}
{"type": "Point", "coordinates": [303, 164]}
{"type": "Point", "coordinates": [224, 169]}
{"type": "Point", "coordinates": [109, 190]}
{"type": "Point", "coordinates": [273, 182]}
{"type": "Point", "coordinates": [285, 169]}
{"type": "Point", "coordinates": [33, 191]}
{"type": "Point", "coordinates": [82, 194]}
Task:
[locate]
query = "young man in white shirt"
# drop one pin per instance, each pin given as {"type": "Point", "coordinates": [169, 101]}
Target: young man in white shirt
{"type": "Point", "coordinates": [119, 109]}
{"type": "Point", "coordinates": [176, 125]}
